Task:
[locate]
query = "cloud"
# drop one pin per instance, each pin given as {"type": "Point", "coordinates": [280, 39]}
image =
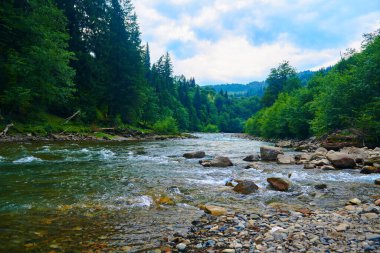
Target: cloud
{"type": "Point", "coordinates": [239, 41]}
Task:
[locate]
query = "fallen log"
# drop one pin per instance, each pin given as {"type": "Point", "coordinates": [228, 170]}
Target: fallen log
{"type": "Point", "coordinates": [4, 132]}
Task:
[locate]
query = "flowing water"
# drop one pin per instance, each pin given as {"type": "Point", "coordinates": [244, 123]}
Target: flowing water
{"type": "Point", "coordinates": [69, 197]}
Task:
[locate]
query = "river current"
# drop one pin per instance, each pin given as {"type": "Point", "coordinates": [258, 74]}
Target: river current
{"type": "Point", "coordinates": [68, 197]}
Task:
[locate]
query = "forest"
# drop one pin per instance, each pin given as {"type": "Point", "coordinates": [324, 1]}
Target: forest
{"type": "Point", "coordinates": [86, 58]}
{"type": "Point", "coordinates": [345, 96]}
{"type": "Point", "coordinates": [61, 57]}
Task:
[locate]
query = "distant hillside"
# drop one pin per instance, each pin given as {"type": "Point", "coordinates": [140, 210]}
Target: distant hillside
{"type": "Point", "coordinates": [255, 88]}
{"type": "Point", "coordinates": [241, 90]}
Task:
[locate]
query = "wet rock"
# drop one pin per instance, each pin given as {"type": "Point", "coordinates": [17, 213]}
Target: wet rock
{"type": "Point", "coordinates": [196, 154]}
{"type": "Point", "coordinates": [309, 166]}
{"type": "Point", "coordinates": [341, 160]}
{"type": "Point", "coordinates": [279, 184]}
{"type": "Point", "coordinates": [219, 161]}
{"type": "Point", "coordinates": [270, 153]}
{"type": "Point", "coordinates": [214, 210]}
{"type": "Point", "coordinates": [327, 167]}
{"type": "Point", "coordinates": [252, 158]}
{"type": "Point", "coordinates": [355, 201]}
{"type": "Point", "coordinates": [246, 187]}
{"type": "Point", "coordinates": [165, 201]}
{"type": "Point", "coordinates": [285, 159]}
{"type": "Point", "coordinates": [253, 166]}
{"type": "Point", "coordinates": [369, 170]}
{"type": "Point", "coordinates": [320, 186]}
{"type": "Point", "coordinates": [377, 181]}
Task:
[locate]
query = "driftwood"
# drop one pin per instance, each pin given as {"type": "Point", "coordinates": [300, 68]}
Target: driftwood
{"type": "Point", "coordinates": [72, 116]}
{"type": "Point", "coordinates": [4, 132]}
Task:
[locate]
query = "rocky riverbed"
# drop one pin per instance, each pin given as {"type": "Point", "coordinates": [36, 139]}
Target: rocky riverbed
{"type": "Point", "coordinates": [282, 228]}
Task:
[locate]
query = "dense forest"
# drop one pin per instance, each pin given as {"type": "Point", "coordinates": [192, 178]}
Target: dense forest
{"type": "Point", "coordinates": [346, 96]}
{"type": "Point", "coordinates": [65, 56]}
{"type": "Point", "coordinates": [85, 58]}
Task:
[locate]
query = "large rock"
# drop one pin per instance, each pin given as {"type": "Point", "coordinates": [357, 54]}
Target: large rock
{"type": "Point", "coordinates": [279, 184]}
{"type": "Point", "coordinates": [285, 159]}
{"type": "Point", "coordinates": [196, 154]}
{"type": "Point", "coordinates": [369, 170]}
{"type": "Point", "coordinates": [341, 160]}
{"type": "Point", "coordinates": [214, 210]}
{"type": "Point", "coordinates": [270, 153]}
{"type": "Point", "coordinates": [284, 144]}
{"type": "Point", "coordinates": [246, 187]}
{"type": "Point", "coordinates": [377, 181]}
{"type": "Point", "coordinates": [343, 138]}
{"type": "Point", "coordinates": [252, 158]}
{"type": "Point", "coordinates": [219, 161]}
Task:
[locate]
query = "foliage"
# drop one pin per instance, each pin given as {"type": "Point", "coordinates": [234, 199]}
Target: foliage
{"type": "Point", "coordinates": [166, 126]}
{"type": "Point", "coordinates": [346, 96]}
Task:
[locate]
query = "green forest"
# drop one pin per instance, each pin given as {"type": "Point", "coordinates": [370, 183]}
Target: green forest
{"type": "Point", "coordinates": [85, 58]}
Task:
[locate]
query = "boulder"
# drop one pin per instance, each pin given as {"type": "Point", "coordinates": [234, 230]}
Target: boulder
{"type": "Point", "coordinates": [302, 158]}
{"type": "Point", "coordinates": [284, 144]}
{"type": "Point", "coordinates": [285, 159]}
{"type": "Point", "coordinates": [270, 153]}
{"type": "Point", "coordinates": [327, 167]}
{"type": "Point", "coordinates": [341, 160]}
{"type": "Point", "coordinates": [369, 170]}
{"type": "Point", "coordinates": [320, 186]}
{"type": "Point", "coordinates": [252, 158]}
{"type": "Point", "coordinates": [321, 162]}
{"type": "Point", "coordinates": [321, 151]}
{"type": "Point", "coordinates": [279, 184]}
{"type": "Point", "coordinates": [377, 181]}
{"type": "Point", "coordinates": [343, 138]}
{"type": "Point", "coordinates": [214, 210]}
{"type": "Point", "coordinates": [253, 166]}
{"type": "Point", "coordinates": [219, 161]}
{"type": "Point", "coordinates": [354, 201]}
{"type": "Point", "coordinates": [309, 166]}
{"type": "Point", "coordinates": [196, 154]}
{"type": "Point", "coordinates": [246, 187]}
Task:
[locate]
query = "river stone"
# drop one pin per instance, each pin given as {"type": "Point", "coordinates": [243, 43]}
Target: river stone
{"type": "Point", "coordinates": [342, 227]}
{"type": "Point", "coordinates": [214, 210]}
{"type": "Point", "coordinates": [355, 201]}
{"type": "Point", "coordinates": [341, 160]}
{"type": "Point", "coordinates": [309, 166]}
{"type": "Point", "coordinates": [246, 187]}
{"type": "Point", "coordinates": [181, 246]}
{"type": "Point", "coordinates": [219, 161]}
{"type": "Point", "coordinates": [321, 151]}
{"type": "Point", "coordinates": [270, 153]}
{"type": "Point", "coordinates": [369, 170]}
{"type": "Point", "coordinates": [284, 144]}
{"type": "Point", "coordinates": [279, 184]}
{"type": "Point", "coordinates": [377, 181]}
{"type": "Point", "coordinates": [196, 154]}
{"type": "Point", "coordinates": [285, 159]}
{"type": "Point", "coordinates": [252, 158]}
{"type": "Point", "coordinates": [377, 202]}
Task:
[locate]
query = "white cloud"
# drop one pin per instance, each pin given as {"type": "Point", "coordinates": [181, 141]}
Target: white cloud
{"type": "Point", "coordinates": [234, 58]}
{"type": "Point", "coordinates": [233, 53]}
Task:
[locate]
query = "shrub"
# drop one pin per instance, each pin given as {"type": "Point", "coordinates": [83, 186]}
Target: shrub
{"type": "Point", "coordinates": [166, 126]}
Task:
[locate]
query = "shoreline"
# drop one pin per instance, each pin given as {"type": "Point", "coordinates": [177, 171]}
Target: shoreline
{"type": "Point", "coordinates": [91, 138]}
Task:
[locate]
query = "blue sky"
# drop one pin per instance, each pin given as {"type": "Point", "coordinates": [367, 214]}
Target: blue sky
{"type": "Point", "coordinates": [238, 41]}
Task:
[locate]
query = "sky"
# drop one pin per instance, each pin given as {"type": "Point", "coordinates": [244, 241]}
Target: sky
{"type": "Point", "coordinates": [239, 41]}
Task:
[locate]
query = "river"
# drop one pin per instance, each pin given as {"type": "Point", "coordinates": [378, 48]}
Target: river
{"type": "Point", "coordinates": [68, 197]}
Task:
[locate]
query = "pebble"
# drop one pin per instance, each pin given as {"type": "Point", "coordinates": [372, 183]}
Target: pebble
{"type": "Point", "coordinates": [181, 246]}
